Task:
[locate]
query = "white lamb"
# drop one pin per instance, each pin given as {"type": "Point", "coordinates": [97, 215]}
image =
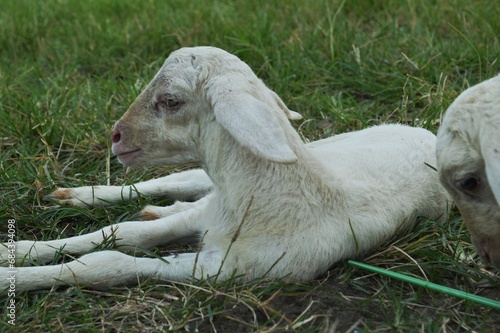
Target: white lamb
{"type": "Point", "coordinates": [468, 160]}
{"type": "Point", "coordinates": [268, 204]}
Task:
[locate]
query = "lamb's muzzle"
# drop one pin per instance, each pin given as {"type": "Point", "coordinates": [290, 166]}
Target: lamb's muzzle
{"type": "Point", "coordinates": [124, 154]}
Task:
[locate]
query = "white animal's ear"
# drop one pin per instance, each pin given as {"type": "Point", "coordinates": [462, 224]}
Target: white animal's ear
{"type": "Point", "coordinates": [490, 149]}
{"type": "Point", "coordinates": [289, 113]}
{"type": "Point", "coordinates": [253, 124]}
{"type": "Point", "coordinates": [294, 115]}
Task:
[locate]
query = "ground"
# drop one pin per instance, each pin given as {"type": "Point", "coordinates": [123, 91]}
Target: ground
{"type": "Point", "coordinates": [70, 69]}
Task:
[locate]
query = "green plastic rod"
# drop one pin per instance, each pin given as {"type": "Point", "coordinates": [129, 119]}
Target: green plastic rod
{"type": "Point", "coordinates": [429, 285]}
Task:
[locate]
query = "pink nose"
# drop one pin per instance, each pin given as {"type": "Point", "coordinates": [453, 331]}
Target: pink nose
{"type": "Point", "coordinates": [116, 134]}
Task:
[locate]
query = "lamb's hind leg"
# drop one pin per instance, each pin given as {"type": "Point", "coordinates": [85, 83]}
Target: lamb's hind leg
{"type": "Point", "coordinates": [105, 269]}
{"type": "Point", "coordinates": [186, 185]}
{"type": "Point", "coordinates": [125, 235]}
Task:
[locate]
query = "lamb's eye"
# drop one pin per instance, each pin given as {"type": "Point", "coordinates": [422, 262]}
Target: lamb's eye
{"type": "Point", "coordinates": [168, 104]}
{"type": "Point", "coordinates": [172, 103]}
{"type": "Point", "coordinates": [470, 184]}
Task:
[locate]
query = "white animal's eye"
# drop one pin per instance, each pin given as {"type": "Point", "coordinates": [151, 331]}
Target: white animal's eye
{"type": "Point", "coordinates": [168, 105]}
{"type": "Point", "coordinates": [470, 184]}
{"type": "Point", "coordinates": [172, 103]}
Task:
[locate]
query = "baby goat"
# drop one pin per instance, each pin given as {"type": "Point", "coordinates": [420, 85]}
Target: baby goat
{"type": "Point", "coordinates": [268, 205]}
{"type": "Point", "coordinates": [468, 160]}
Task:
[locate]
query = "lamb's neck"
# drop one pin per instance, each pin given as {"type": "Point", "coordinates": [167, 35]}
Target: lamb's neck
{"type": "Point", "coordinates": [239, 174]}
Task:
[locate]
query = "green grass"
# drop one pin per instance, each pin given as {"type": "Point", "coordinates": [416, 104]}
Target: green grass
{"type": "Point", "coordinates": [69, 69]}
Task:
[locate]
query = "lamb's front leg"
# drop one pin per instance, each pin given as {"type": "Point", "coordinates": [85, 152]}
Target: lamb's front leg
{"type": "Point", "coordinates": [151, 212]}
{"type": "Point", "coordinates": [125, 235]}
{"type": "Point", "coordinates": [105, 269]}
{"type": "Point", "coordinates": [186, 185]}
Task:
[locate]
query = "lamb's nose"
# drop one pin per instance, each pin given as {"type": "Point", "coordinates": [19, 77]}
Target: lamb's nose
{"type": "Point", "coordinates": [116, 134]}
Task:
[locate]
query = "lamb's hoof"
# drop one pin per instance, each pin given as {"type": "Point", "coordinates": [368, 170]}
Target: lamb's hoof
{"type": "Point", "coordinates": [61, 196]}
{"type": "Point", "coordinates": [145, 215]}
{"type": "Point", "coordinates": [84, 196]}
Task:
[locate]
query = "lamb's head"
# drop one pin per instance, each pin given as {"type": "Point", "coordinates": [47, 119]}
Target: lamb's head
{"type": "Point", "coordinates": [196, 90]}
{"type": "Point", "coordinates": [468, 160]}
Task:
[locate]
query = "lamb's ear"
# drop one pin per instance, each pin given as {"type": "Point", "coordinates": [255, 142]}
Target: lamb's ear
{"type": "Point", "coordinates": [254, 125]}
{"type": "Point", "coordinates": [490, 149]}
{"type": "Point", "coordinates": [289, 113]}
{"type": "Point", "coordinates": [294, 115]}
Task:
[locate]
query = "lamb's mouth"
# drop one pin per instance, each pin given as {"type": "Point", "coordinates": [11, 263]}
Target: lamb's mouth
{"type": "Point", "coordinates": [128, 156]}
